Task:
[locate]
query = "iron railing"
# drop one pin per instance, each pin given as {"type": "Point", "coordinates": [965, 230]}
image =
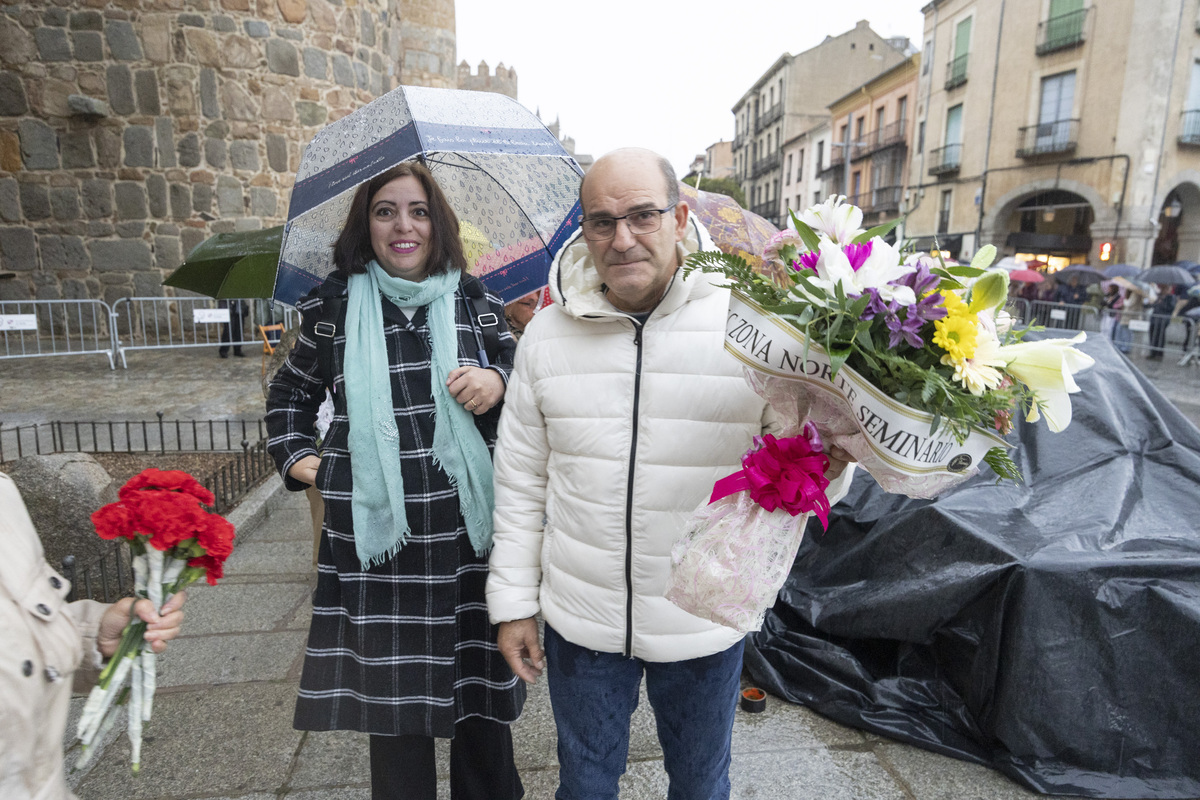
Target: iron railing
{"type": "Point", "coordinates": [158, 436]}
{"type": "Point", "coordinates": [945, 159]}
{"type": "Point", "coordinates": [1046, 138]}
{"type": "Point", "coordinates": [956, 72]}
{"type": "Point", "coordinates": [886, 198]}
{"type": "Point", "coordinates": [1061, 32]}
{"type": "Point", "coordinates": [773, 114]}
{"type": "Point", "coordinates": [766, 165]}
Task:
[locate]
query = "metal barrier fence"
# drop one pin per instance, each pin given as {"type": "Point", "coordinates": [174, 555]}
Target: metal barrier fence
{"type": "Point", "coordinates": [160, 323]}
{"type": "Point", "coordinates": [32, 328]}
{"type": "Point", "coordinates": [1143, 332]}
{"type": "Point", "coordinates": [159, 436]}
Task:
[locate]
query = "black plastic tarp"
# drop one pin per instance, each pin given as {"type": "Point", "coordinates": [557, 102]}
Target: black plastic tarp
{"type": "Point", "coordinates": [1050, 630]}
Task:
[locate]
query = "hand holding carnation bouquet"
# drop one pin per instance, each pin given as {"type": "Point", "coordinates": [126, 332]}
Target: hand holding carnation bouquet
{"type": "Point", "coordinates": [911, 366]}
{"type": "Point", "coordinates": [175, 541]}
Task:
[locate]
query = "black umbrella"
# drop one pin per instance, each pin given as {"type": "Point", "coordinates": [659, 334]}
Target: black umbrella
{"type": "Point", "coordinates": [1167, 274]}
{"type": "Point", "coordinates": [1086, 274]}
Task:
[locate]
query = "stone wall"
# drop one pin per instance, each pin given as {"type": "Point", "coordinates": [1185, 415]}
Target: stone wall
{"type": "Point", "coordinates": [503, 81]}
{"type": "Point", "coordinates": [132, 130]}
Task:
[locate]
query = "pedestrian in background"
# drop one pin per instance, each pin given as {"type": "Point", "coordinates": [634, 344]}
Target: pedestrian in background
{"type": "Point", "coordinates": [231, 332]}
{"type": "Point", "coordinates": [400, 646]}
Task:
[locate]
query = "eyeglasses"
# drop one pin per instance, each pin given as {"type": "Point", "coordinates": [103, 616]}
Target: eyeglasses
{"type": "Point", "coordinates": [601, 229]}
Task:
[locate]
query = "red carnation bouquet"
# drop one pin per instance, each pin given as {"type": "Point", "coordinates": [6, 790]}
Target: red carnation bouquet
{"type": "Point", "coordinates": [175, 541]}
{"type": "Point", "coordinates": [738, 547]}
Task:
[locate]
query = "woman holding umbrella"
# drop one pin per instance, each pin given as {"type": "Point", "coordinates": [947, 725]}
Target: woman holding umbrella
{"type": "Point", "coordinates": [400, 646]}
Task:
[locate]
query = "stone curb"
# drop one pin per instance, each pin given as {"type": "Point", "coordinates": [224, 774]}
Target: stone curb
{"type": "Point", "coordinates": [257, 506]}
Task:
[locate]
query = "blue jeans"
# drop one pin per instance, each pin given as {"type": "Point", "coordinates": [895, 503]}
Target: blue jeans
{"type": "Point", "coordinates": [593, 696]}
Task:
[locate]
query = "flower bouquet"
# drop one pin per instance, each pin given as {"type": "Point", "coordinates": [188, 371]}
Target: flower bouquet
{"type": "Point", "coordinates": [910, 365]}
{"type": "Point", "coordinates": [175, 541]}
{"type": "Point", "coordinates": [739, 546]}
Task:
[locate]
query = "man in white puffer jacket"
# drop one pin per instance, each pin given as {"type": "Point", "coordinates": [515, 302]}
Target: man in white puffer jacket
{"type": "Point", "coordinates": [622, 412]}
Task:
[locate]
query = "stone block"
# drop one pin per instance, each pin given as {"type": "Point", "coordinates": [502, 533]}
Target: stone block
{"type": "Point", "coordinates": [130, 200]}
{"type": "Point", "coordinates": [131, 230]}
{"type": "Point", "coordinates": [289, 33]}
{"type": "Point", "coordinates": [315, 63]}
{"type": "Point", "coordinates": [282, 58]}
{"type": "Point", "coordinates": [10, 151]}
{"type": "Point", "coordinates": [120, 89]}
{"type": "Point", "coordinates": [215, 153]}
{"type": "Point", "coordinates": [202, 196]}
{"type": "Point", "coordinates": [147, 284]}
{"type": "Point", "coordinates": [39, 144]}
{"type": "Point", "coordinates": [276, 105]}
{"type": "Point", "coordinates": [376, 83]}
{"type": "Point", "coordinates": [139, 146]}
{"type": "Point", "coordinates": [86, 21]}
{"type": "Point", "coordinates": [257, 29]}
{"type": "Point", "coordinates": [237, 103]}
{"type": "Point", "coordinates": [156, 194]}
{"type": "Point", "coordinates": [208, 94]}
{"type": "Point", "coordinates": [343, 73]}
{"type": "Point", "coordinates": [120, 255]}
{"type": "Point", "coordinates": [145, 89]}
{"type": "Point", "coordinates": [167, 254]}
{"type": "Point", "coordinates": [189, 150]}
{"type": "Point", "coordinates": [18, 250]}
{"type": "Point", "coordinates": [15, 290]}
{"type": "Point", "coordinates": [230, 202]}
{"type": "Point", "coordinates": [190, 237]}
{"type": "Point", "coordinates": [181, 200]}
{"type": "Point", "coordinates": [97, 199]}
{"type": "Point", "coordinates": [293, 11]}
{"type": "Point", "coordinates": [64, 253]}
{"type": "Point", "coordinates": [247, 224]}
{"type": "Point", "coordinates": [35, 201]}
{"type": "Point", "coordinates": [52, 44]}
{"type": "Point", "coordinates": [164, 134]}
{"type": "Point", "coordinates": [64, 203]}
{"type": "Point", "coordinates": [46, 288]}
{"type": "Point", "coordinates": [376, 62]}
{"type": "Point", "coordinates": [61, 491]}
{"type": "Point", "coordinates": [239, 52]}
{"type": "Point", "coordinates": [16, 45]}
{"type": "Point", "coordinates": [204, 46]}
{"type": "Point", "coordinates": [224, 24]}
{"type": "Point", "coordinates": [10, 201]}
{"type": "Point", "coordinates": [360, 73]}
{"type": "Point", "coordinates": [122, 40]}
{"type": "Point", "coordinates": [88, 46]}
{"type": "Point", "coordinates": [277, 152]}
{"type": "Point", "coordinates": [218, 130]}
{"type": "Point", "coordinates": [98, 230]}
{"type": "Point", "coordinates": [181, 93]}
{"type": "Point", "coordinates": [80, 105]}
{"type": "Point", "coordinates": [191, 20]}
{"type": "Point", "coordinates": [156, 37]}
{"type": "Point", "coordinates": [263, 202]}
{"type": "Point", "coordinates": [55, 16]}
{"type": "Point", "coordinates": [13, 102]}
{"type": "Point", "coordinates": [367, 27]}
{"type": "Point", "coordinates": [311, 114]}
{"type": "Point", "coordinates": [108, 148]}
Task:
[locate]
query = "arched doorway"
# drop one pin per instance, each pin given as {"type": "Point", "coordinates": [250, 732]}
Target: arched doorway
{"type": "Point", "coordinates": [1052, 226]}
{"type": "Point", "coordinates": [1178, 226]}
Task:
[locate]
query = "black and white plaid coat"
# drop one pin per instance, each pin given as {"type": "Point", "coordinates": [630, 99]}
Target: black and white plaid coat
{"type": "Point", "coordinates": [404, 647]}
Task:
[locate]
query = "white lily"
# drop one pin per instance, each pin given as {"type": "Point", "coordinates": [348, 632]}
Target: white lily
{"type": "Point", "coordinates": [1047, 367]}
{"type": "Point", "coordinates": [834, 218]}
{"type": "Point", "coordinates": [875, 272]}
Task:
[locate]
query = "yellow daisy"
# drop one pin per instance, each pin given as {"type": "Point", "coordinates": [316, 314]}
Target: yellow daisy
{"type": "Point", "coordinates": [956, 335]}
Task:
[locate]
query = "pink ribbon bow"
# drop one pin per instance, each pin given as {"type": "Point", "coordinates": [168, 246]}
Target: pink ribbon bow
{"type": "Point", "coordinates": [783, 473]}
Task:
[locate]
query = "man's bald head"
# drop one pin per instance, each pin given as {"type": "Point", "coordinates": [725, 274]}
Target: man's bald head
{"type": "Point", "coordinates": [636, 159]}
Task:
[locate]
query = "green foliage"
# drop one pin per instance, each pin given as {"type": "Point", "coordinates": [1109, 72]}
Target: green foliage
{"type": "Point", "coordinates": [1002, 464]}
{"type": "Point", "coordinates": [726, 186]}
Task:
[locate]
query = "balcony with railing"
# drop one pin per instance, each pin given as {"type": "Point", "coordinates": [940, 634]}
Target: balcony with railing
{"type": "Point", "coordinates": [768, 210]}
{"type": "Point", "coordinates": [956, 72]}
{"type": "Point", "coordinates": [945, 159]}
{"type": "Point", "coordinates": [739, 141]}
{"type": "Point", "coordinates": [1189, 127]}
{"type": "Point", "coordinates": [765, 165]}
{"type": "Point", "coordinates": [770, 117]}
{"type": "Point", "coordinates": [886, 198]}
{"type": "Point", "coordinates": [1048, 138]}
{"type": "Point", "coordinates": [1062, 32]}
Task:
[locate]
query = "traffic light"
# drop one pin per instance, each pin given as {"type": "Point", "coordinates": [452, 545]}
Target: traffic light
{"type": "Point", "coordinates": [1105, 251]}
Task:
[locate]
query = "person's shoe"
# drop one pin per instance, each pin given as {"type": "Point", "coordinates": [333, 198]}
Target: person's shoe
{"type": "Point", "coordinates": [239, 354]}
{"type": "Point", "coordinates": [223, 354]}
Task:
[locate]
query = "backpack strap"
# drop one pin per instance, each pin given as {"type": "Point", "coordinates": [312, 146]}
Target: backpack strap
{"type": "Point", "coordinates": [484, 320]}
{"type": "Point", "coordinates": [333, 316]}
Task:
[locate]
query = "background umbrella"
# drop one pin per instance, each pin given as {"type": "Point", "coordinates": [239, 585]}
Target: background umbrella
{"type": "Point", "coordinates": [1190, 266]}
{"type": "Point", "coordinates": [1167, 274]}
{"type": "Point", "coordinates": [734, 230]}
{"type": "Point", "coordinates": [1026, 276]}
{"type": "Point", "coordinates": [503, 172]}
{"type": "Point", "coordinates": [1121, 271]}
{"type": "Point", "coordinates": [231, 265]}
{"type": "Point", "coordinates": [1086, 274]}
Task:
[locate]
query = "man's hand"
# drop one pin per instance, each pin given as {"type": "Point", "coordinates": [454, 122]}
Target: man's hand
{"type": "Point", "coordinates": [305, 470]}
{"type": "Point", "coordinates": [160, 628]}
{"type": "Point", "coordinates": [476, 389]}
{"type": "Point", "coordinates": [838, 459]}
{"type": "Point", "coordinates": [518, 643]}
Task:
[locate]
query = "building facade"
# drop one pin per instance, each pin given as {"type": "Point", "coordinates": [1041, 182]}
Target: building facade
{"type": "Point", "coordinates": [872, 130]}
{"type": "Point", "coordinates": [1060, 129]}
{"type": "Point", "coordinates": [791, 97]}
{"type": "Point", "coordinates": [806, 170]}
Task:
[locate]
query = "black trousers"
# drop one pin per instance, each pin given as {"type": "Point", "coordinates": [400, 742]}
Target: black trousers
{"type": "Point", "coordinates": [481, 764]}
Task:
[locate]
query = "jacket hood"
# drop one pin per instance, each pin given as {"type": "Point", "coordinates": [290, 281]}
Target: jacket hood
{"type": "Point", "coordinates": [576, 287]}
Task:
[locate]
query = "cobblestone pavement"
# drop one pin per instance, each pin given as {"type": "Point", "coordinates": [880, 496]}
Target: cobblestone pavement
{"type": "Point", "coordinates": [222, 723]}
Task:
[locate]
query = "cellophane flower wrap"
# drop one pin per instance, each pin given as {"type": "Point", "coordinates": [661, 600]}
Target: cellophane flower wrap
{"type": "Point", "coordinates": [909, 364]}
{"type": "Point", "coordinates": [739, 545]}
{"type": "Point", "coordinates": [175, 541]}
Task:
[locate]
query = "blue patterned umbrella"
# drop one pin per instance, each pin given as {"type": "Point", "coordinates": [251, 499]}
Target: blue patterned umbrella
{"type": "Point", "coordinates": [504, 173]}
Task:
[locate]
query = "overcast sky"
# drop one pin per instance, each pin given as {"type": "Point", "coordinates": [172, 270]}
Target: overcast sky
{"type": "Point", "coordinates": [662, 74]}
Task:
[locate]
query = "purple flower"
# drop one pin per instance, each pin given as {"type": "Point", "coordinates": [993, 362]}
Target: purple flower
{"type": "Point", "coordinates": [807, 261]}
{"type": "Point", "coordinates": [876, 306]}
{"type": "Point", "coordinates": [920, 280]}
{"type": "Point", "coordinates": [857, 254]}
{"type": "Point", "coordinates": [907, 330]}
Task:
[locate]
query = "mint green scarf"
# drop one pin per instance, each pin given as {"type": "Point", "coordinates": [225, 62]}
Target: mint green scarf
{"type": "Point", "coordinates": [377, 502]}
